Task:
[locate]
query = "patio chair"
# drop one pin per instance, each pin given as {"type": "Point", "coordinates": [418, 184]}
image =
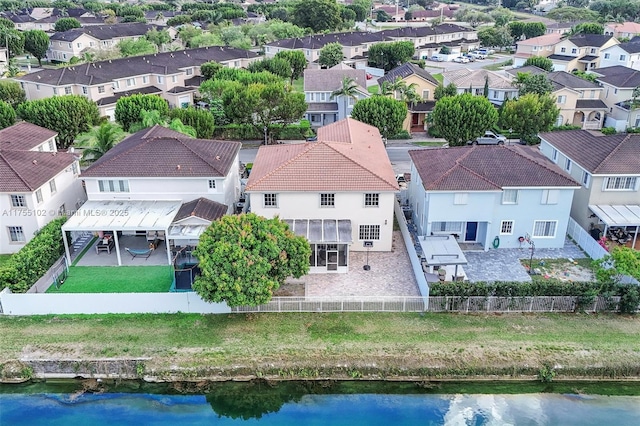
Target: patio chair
{"type": "Point", "coordinates": [139, 253]}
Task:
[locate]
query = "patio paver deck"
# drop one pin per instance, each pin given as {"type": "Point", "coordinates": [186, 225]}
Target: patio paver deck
{"type": "Point", "coordinates": [158, 257]}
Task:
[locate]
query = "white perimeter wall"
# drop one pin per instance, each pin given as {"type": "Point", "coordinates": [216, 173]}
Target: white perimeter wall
{"type": "Point", "coordinates": [107, 303]}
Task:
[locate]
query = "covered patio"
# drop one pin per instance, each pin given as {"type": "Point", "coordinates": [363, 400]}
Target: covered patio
{"type": "Point", "coordinates": [442, 258]}
{"type": "Point", "coordinates": [619, 216]}
{"type": "Point", "coordinates": [134, 225]}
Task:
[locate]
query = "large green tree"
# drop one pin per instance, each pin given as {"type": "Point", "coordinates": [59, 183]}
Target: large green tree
{"type": "Point", "coordinates": [68, 115]}
{"type": "Point", "coordinates": [571, 14]}
{"type": "Point", "coordinates": [529, 115]}
{"type": "Point", "coordinates": [159, 38]}
{"type": "Point", "coordinates": [532, 83]}
{"type": "Point", "coordinates": [142, 46]}
{"type": "Point", "coordinates": [297, 62]}
{"type": "Point", "coordinates": [386, 114]}
{"type": "Point", "coordinates": [209, 69]}
{"type": "Point", "coordinates": [13, 40]}
{"type": "Point", "coordinates": [7, 115]}
{"type": "Point", "coordinates": [99, 140]}
{"type": "Point", "coordinates": [11, 93]}
{"type": "Point", "coordinates": [330, 55]}
{"type": "Point", "coordinates": [245, 258]}
{"type": "Point", "coordinates": [129, 108]}
{"type": "Point", "coordinates": [319, 15]}
{"type": "Point", "coordinates": [390, 55]}
{"type": "Point", "coordinates": [495, 36]}
{"type": "Point", "coordinates": [36, 42]}
{"type": "Point", "coordinates": [65, 24]}
{"type": "Point", "coordinates": [463, 117]}
{"type": "Point", "coordinates": [277, 66]}
{"type": "Point", "coordinates": [442, 91]}
{"type": "Point", "coordinates": [201, 120]}
{"type": "Point", "coordinates": [540, 62]}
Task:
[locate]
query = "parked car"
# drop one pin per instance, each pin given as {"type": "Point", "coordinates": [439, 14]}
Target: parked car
{"type": "Point", "coordinates": [470, 57]}
{"type": "Point", "coordinates": [461, 59]}
{"type": "Point", "coordinates": [478, 55]}
{"type": "Point", "coordinates": [489, 138]}
{"type": "Point", "coordinates": [437, 58]}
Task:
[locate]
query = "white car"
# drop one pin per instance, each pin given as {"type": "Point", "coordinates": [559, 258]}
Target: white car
{"type": "Point", "coordinates": [461, 59]}
{"type": "Point", "coordinates": [489, 138]}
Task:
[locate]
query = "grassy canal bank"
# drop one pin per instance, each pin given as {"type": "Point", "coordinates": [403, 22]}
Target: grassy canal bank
{"type": "Point", "coordinates": [313, 346]}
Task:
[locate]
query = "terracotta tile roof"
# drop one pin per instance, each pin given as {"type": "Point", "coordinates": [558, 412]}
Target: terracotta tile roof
{"type": "Point", "coordinates": [24, 136]}
{"type": "Point", "coordinates": [203, 208]}
{"type": "Point", "coordinates": [161, 152]}
{"type": "Point", "coordinates": [349, 156]}
{"type": "Point", "coordinates": [486, 168]}
{"type": "Point", "coordinates": [619, 154]}
{"type": "Point", "coordinates": [26, 171]}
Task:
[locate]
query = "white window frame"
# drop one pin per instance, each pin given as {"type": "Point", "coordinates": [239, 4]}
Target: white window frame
{"type": "Point", "coordinates": [160, 79]}
{"type": "Point", "coordinates": [586, 178]}
{"type": "Point", "coordinates": [174, 79]}
{"type": "Point", "coordinates": [508, 196]}
{"type": "Point", "coordinates": [52, 145]}
{"type": "Point", "coordinates": [554, 155]}
{"type": "Point", "coordinates": [372, 199]}
{"type": "Point", "coordinates": [506, 227]}
{"type": "Point", "coordinates": [145, 79]}
{"type": "Point", "coordinates": [85, 90]}
{"type": "Point", "coordinates": [567, 165]}
{"type": "Point", "coordinates": [270, 200]}
{"type": "Point", "coordinates": [620, 183]}
{"type": "Point", "coordinates": [562, 99]}
{"type": "Point", "coordinates": [212, 184]}
{"type": "Point", "coordinates": [52, 186]}
{"type": "Point", "coordinates": [447, 227]}
{"type": "Point", "coordinates": [67, 90]}
{"type": "Point", "coordinates": [327, 200]}
{"type": "Point", "coordinates": [460, 198]}
{"type": "Point", "coordinates": [16, 234]}
{"type": "Point", "coordinates": [607, 55]}
{"type": "Point", "coordinates": [101, 89]}
{"type": "Point", "coordinates": [39, 198]}
{"type": "Point", "coordinates": [131, 82]}
{"type": "Point", "coordinates": [623, 57]}
{"type": "Point", "coordinates": [18, 201]}
{"type": "Point", "coordinates": [550, 196]}
{"type": "Point", "coordinates": [369, 233]}
{"type": "Point", "coordinates": [545, 224]}
{"type": "Point", "coordinates": [108, 185]}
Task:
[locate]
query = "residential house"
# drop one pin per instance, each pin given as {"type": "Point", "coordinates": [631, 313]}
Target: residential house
{"type": "Point", "coordinates": [618, 84]}
{"type": "Point", "coordinates": [536, 46]}
{"type": "Point", "coordinates": [424, 84]}
{"type": "Point", "coordinates": [319, 84]}
{"type": "Point", "coordinates": [338, 192]}
{"type": "Point", "coordinates": [444, 12]}
{"type": "Point", "coordinates": [492, 196]}
{"type": "Point", "coordinates": [38, 183]}
{"type": "Point", "coordinates": [580, 52]}
{"type": "Point", "coordinates": [500, 87]}
{"type": "Point", "coordinates": [608, 169]}
{"type": "Point", "coordinates": [45, 18]}
{"type": "Point", "coordinates": [624, 30]}
{"type": "Point", "coordinates": [73, 43]}
{"type": "Point", "coordinates": [173, 75]}
{"type": "Point", "coordinates": [580, 101]}
{"type": "Point", "coordinates": [624, 54]}
{"type": "Point", "coordinates": [395, 12]}
{"type": "Point", "coordinates": [561, 27]}
{"type": "Point", "coordinates": [162, 184]}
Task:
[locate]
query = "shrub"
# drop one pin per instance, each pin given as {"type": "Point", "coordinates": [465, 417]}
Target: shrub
{"type": "Point", "coordinates": [565, 127]}
{"type": "Point", "coordinates": [403, 134]}
{"type": "Point", "coordinates": [249, 132]}
{"type": "Point", "coordinates": [433, 131]}
{"type": "Point", "coordinates": [608, 131]}
{"type": "Point", "coordinates": [633, 130]}
{"type": "Point", "coordinates": [200, 119]}
{"type": "Point", "coordinates": [26, 266]}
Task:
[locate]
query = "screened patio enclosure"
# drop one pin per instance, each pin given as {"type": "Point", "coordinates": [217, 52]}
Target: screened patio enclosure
{"type": "Point", "coordinates": [329, 240]}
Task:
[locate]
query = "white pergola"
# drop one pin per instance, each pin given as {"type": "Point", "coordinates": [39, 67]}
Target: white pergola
{"type": "Point", "coordinates": [122, 215]}
{"type": "Point", "coordinates": [441, 250]}
{"type": "Point", "coordinates": [618, 215]}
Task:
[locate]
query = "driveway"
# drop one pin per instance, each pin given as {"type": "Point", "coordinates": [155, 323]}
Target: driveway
{"type": "Point", "coordinates": [504, 264]}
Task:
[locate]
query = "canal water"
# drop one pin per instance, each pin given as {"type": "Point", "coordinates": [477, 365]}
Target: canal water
{"type": "Point", "coordinates": [306, 403]}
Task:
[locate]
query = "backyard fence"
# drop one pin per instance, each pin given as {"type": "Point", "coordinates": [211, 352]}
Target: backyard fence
{"type": "Point", "coordinates": [520, 304]}
{"type": "Point", "coordinates": [340, 304]}
{"type": "Point", "coordinates": [53, 276]}
{"type": "Point", "coordinates": [416, 266]}
{"type": "Point", "coordinates": [585, 241]}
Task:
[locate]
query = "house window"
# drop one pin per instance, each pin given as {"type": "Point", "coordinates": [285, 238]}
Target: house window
{"type": "Point", "coordinates": [506, 227]}
{"type": "Point", "coordinates": [586, 178]}
{"type": "Point", "coordinates": [460, 198]}
{"type": "Point", "coordinates": [323, 97]}
{"type": "Point", "coordinates": [113, 185]}
{"type": "Point", "coordinates": [620, 183]}
{"type": "Point", "coordinates": [550, 196]}
{"type": "Point", "coordinates": [623, 57]}
{"type": "Point", "coordinates": [425, 95]}
{"type": "Point", "coordinates": [52, 146]}
{"type": "Point", "coordinates": [574, 51]}
{"type": "Point", "coordinates": [567, 165]}
{"type": "Point", "coordinates": [85, 90]}
{"type": "Point", "coordinates": [78, 45]}
{"type": "Point", "coordinates": [18, 201]}
{"type": "Point", "coordinates": [160, 79]}
{"type": "Point", "coordinates": [271, 200]}
{"type": "Point", "coordinates": [145, 79]}
{"type": "Point", "coordinates": [447, 227]}
{"type": "Point", "coordinates": [545, 228]}
{"type": "Point", "coordinates": [39, 196]}
{"type": "Point", "coordinates": [100, 89]}
{"type": "Point", "coordinates": [563, 50]}
{"type": "Point", "coordinates": [554, 155]}
{"type": "Point", "coordinates": [52, 186]}
{"type": "Point", "coordinates": [37, 87]}
{"type": "Point", "coordinates": [189, 71]}
{"type": "Point", "coordinates": [212, 184]}
{"type": "Point", "coordinates": [69, 44]}
{"type": "Point", "coordinates": [174, 79]}
{"type": "Point", "coordinates": [371, 200]}
{"type": "Point", "coordinates": [559, 122]}
{"type": "Point", "coordinates": [369, 232]}
{"type": "Point", "coordinates": [131, 82]}
{"type": "Point", "coordinates": [116, 85]}
{"type": "Point", "coordinates": [510, 196]}
{"type": "Point", "coordinates": [607, 55]}
{"type": "Point", "coordinates": [67, 90]}
{"type": "Point", "coordinates": [593, 50]}
{"type": "Point", "coordinates": [55, 91]}
{"type": "Point", "coordinates": [327, 200]}
{"type": "Point", "coordinates": [74, 168]}
{"type": "Point", "coordinates": [562, 99]}
{"type": "Point", "coordinates": [16, 234]}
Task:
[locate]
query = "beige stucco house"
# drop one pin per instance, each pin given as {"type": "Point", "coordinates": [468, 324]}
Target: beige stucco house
{"type": "Point", "coordinates": [580, 52]}
{"type": "Point", "coordinates": [618, 84]}
{"type": "Point", "coordinates": [536, 46]}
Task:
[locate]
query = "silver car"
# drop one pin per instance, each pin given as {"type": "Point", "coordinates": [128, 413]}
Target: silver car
{"type": "Point", "coordinates": [489, 138]}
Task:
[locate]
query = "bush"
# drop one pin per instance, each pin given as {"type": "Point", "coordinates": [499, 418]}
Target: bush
{"type": "Point", "coordinates": [403, 134]}
{"type": "Point", "coordinates": [201, 120]}
{"type": "Point", "coordinates": [516, 288]}
{"type": "Point", "coordinates": [633, 130]}
{"type": "Point", "coordinates": [249, 132]}
{"type": "Point", "coordinates": [565, 127]}
{"type": "Point", "coordinates": [26, 266]}
{"type": "Point", "coordinates": [608, 131]}
{"type": "Point", "coordinates": [433, 131]}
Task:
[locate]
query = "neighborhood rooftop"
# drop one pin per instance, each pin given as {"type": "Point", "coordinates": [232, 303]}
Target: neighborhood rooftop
{"type": "Point", "coordinates": [160, 63]}
{"type": "Point", "coordinates": [161, 152]}
{"type": "Point", "coordinates": [331, 79]}
{"type": "Point", "coordinates": [26, 171]}
{"type": "Point", "coordinates": [619, 76]}
{"type": "Point", "coordinates": [105, 32]}
{"type": "Point", "coordinates": [598, 154]}
{"type": "Point", "coordinates": [349, 156]}
{"type": "Point", "coordinates": [486, 168]}
{"type": "Point", "coordinates": [24, 136]}
{"type": "Point", "coordinates": [406, 70]}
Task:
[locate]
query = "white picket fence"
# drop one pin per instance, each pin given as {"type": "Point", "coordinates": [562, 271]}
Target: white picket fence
{"type": "Point", "coordinates": [585, 240]}
{"type": "Point", "coordinates": [340, 304]}
{"type": "Point", "coordinates": [518, 304]}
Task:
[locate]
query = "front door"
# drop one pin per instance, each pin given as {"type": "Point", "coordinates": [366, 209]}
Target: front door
{"type": "Point", "coordinates": [471, 231]}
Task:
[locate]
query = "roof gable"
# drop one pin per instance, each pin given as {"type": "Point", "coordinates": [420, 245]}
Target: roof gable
{"type": "Point", "coordinates": [328, 80]}
{"type": "Point", "coordinates": [202, 208]}
{"type": "Point", "coordinates": [24, 136]}
{"type": "Point", "coordinates": [405, 70]}
{"type": "Point", "coordinates": [26, 171]}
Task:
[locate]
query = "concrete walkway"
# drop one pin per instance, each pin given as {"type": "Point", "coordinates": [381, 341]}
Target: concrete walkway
{"type": "Point", "coordinates": [504, 264]}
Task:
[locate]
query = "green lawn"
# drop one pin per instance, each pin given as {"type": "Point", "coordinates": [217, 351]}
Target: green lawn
{"type": "Point", "coordinates": [4, 258]}
{"type": "Point", "coordinates": [438, 77]}
{"type": "Point", "coordinates": [373, 89]}
{"type": "Point", "coordinates": [298, 85]}
{"type": "Point", "coordinates": [425, 143]}
{"type": "Point", "coordinates": [112, 279]}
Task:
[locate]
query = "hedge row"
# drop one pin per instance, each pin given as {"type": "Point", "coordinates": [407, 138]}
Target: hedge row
{"type": "Point", "coordinates": [249, 132]}
{"type": "Point", "coordinates": [26, 266]}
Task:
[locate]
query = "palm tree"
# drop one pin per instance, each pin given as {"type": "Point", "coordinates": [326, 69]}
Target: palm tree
{"type": "Point", "coordinates": [348, 89]}
{"type": "Point", "coordinates": [99, 140]}
{"type": "Point", "coordinates": [385, 89]}
{"type": "Point", "coordinates": [398, 87]}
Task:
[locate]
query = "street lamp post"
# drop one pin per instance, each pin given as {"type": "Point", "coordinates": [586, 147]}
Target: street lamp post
{"type": "Point", "coordinates": [265, 135]}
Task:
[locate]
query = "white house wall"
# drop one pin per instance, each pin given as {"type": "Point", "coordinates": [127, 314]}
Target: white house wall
{"type": "Point", "coordinates": [348, 205]}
